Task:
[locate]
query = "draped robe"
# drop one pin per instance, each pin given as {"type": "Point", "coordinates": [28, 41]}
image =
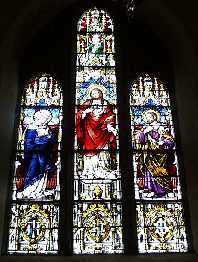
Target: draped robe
{"type": "Point", "coordinates": [96, 140]}
{"type": "Point", "coordinates": [156, 165]}
{"type": "Point", "coordinates": [38, 164]}
{"type": "Point", "coordinates": [92, 131]}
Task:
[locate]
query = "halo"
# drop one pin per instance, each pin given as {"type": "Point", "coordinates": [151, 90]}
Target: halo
{"type": "Point", "coordinates": [152, 111]}
{"type": "Point", "coordinates": [46, 113]}
{"type": "Point", "coordinates": [98, 86]}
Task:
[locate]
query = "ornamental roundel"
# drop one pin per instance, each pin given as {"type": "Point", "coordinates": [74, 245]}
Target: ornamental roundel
{"type": "Point", "coordinates": [33, 223]}
{"type": "Point", "coordinates": [97, 222]}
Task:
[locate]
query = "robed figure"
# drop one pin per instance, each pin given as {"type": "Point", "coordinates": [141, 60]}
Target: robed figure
{"type": "Point", "coordinates": [38, 165]}
{"type": "Point", "coordinates": [156, 167]}
{"type": "Point", "coordinates": [96, 136]}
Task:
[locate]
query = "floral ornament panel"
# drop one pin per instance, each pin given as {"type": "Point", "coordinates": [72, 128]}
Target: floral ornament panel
{"type": "Point", "coordinates": [161, 228]}
{"type": "Point", "coordinates": [97, 228]}
{"type": "Point", "coordinates": [34, 229]}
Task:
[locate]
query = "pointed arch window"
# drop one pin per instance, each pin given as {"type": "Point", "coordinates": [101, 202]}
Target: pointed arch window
{"type": "Point", "coordinates": [157, 182]}
{"type": "Point", "coordinates": [97, 183]}
{"type": "Point", "coordinates": [97, 189]}
{"type": "Point", "coordinates": [34, 218]}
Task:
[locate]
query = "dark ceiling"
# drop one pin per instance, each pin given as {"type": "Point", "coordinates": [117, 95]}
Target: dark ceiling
{"type": "Point", "coordinates": [10, 11]}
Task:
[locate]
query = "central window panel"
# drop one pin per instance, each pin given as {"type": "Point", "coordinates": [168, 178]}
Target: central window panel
{"type": "Point", "coordinates": [97, 212]}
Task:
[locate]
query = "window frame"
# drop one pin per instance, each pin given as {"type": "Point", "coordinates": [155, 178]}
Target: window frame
{"type": "Point", "coordinates": [123, 79]}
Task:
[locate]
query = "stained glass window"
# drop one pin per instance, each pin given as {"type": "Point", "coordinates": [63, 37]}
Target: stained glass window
{"type": "Point", "coordinates": [34, 217]}
{"type": "Point", "coordinates": [159, 208]}
{"type": "Point", "coordinates": [97, 210]}
{"type": "Point", "coordinates": [97, 213]}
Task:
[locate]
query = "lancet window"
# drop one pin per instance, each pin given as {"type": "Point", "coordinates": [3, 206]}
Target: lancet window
{"type": "Point", "coordinates": [97, 189]}
{"type": "Point", "coordinates": [34, 217]}
{"type": "Point", "coordinates": [157, 180]}
{"type": "Point", "coordinates": [97, 213]}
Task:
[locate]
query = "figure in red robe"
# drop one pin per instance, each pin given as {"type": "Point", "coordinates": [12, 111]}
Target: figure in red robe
{"type": "Point", "coordinates": [96, 136]}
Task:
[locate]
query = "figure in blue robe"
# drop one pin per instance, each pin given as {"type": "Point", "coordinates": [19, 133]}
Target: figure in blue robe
{"type": "Point", "coordinates": [37, 156]}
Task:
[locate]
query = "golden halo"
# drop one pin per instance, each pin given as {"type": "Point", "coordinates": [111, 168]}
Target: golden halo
{"type": "Point", "coordinates": [150, 111]}
{"type": "Point", "coordinates": [97, 86]}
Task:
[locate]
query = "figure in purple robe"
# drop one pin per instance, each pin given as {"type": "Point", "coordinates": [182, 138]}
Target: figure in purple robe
{"type": "Point", "coordinates": [155, 163]}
